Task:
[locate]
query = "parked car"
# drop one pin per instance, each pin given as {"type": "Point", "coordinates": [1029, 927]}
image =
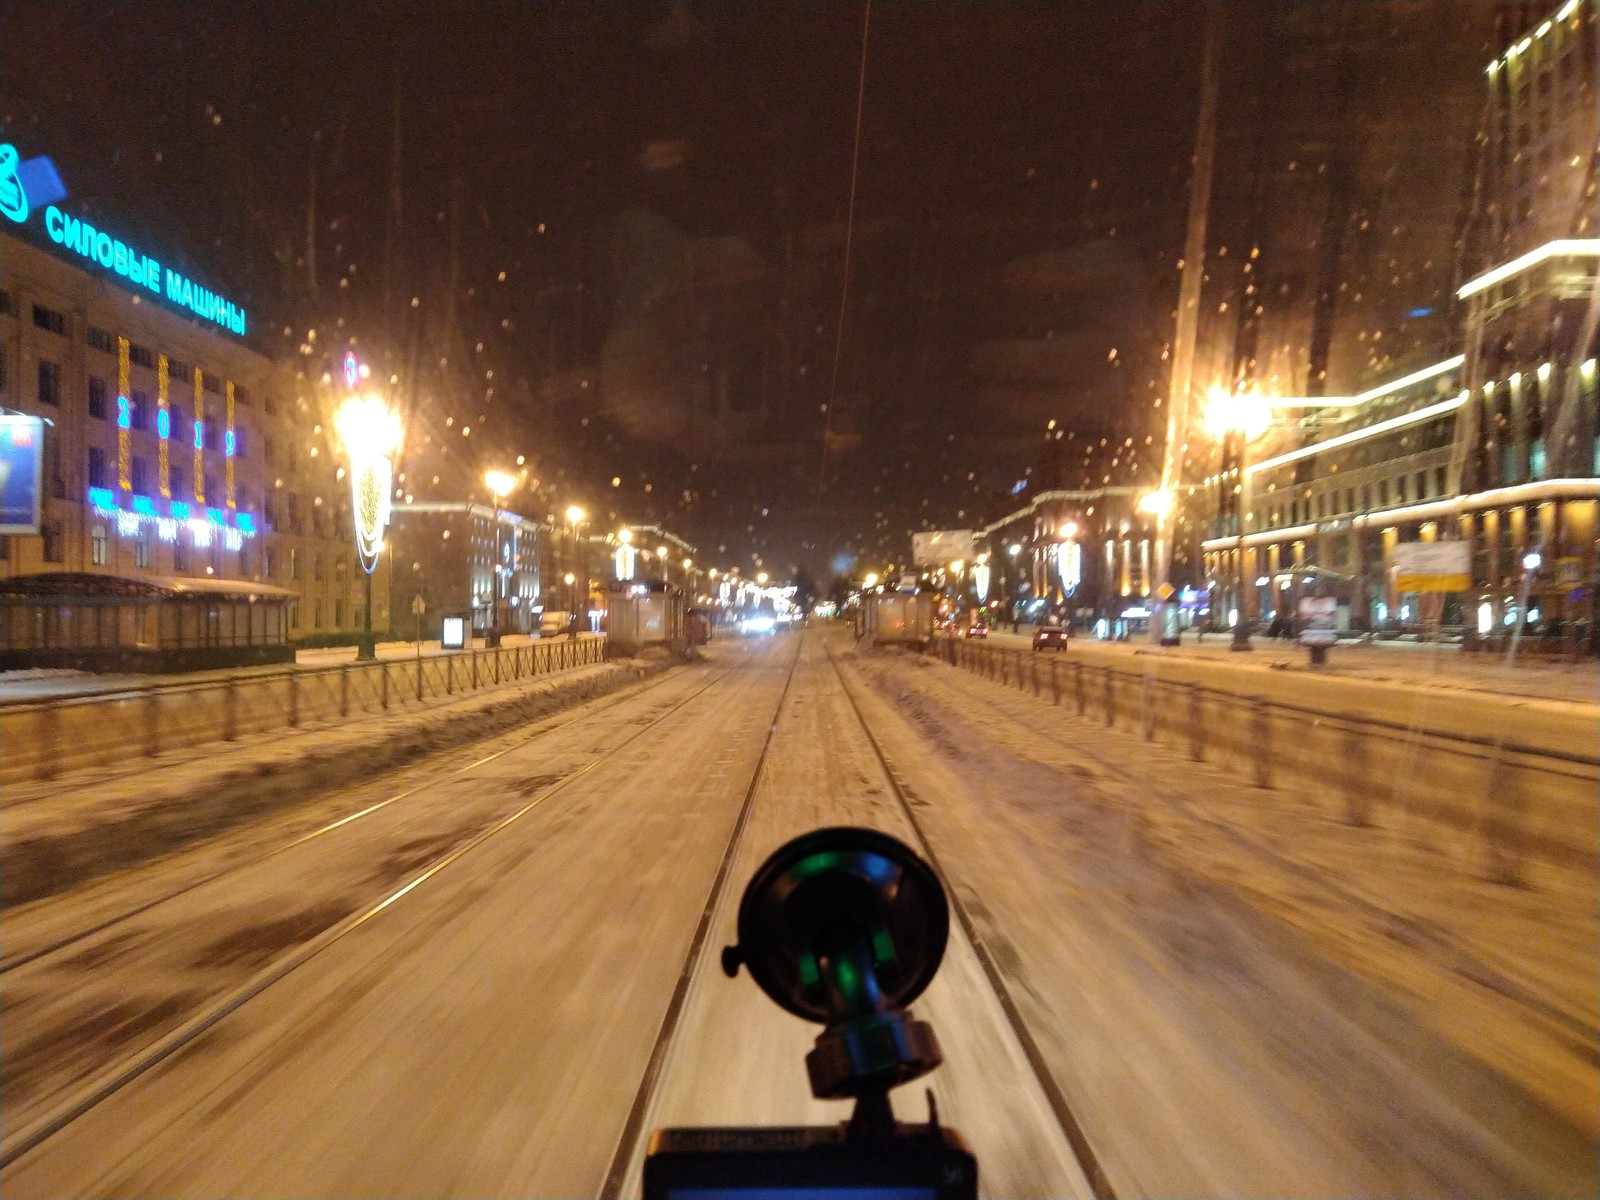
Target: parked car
{"type": "Point", "coordinates": [1050, 635]}
{"type": "Point", "coordinates": [977, 629]}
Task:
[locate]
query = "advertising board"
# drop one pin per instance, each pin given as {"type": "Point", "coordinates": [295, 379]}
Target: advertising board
{"type": "Point", "coordinates": [941, 547]}
{"type": "Point", "coordinates": [1432, 566]}
{"type": "Point", "coordinates": [1319, 620]}
{"type": "Point", "coordinates": [21, 466]}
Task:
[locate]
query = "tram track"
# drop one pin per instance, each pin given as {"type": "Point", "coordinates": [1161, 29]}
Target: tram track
{"type": "Point", "coordinates": [626, 1158]}
{"type": "Point", "coordinates": [111, 1080]}
{"type": "Point", "coordinates": [14, 961]}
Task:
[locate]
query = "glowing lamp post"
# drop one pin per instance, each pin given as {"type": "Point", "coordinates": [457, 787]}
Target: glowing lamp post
{"type": "Point", "coordinates": [1240, 417]}
{"type": "Point", "coordinates": [500, 485]}
{"type": "Point", "coordinates": [370, 432]}
{"type": "Point", "coordinates": [575, 516]}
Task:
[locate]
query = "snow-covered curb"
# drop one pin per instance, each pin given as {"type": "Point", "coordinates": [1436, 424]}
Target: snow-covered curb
{"type": "Point", "coordinates": [47, 846]}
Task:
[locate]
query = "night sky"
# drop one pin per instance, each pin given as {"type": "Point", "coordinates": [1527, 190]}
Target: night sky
{"type": "Point", "coordinates": [990, 133]}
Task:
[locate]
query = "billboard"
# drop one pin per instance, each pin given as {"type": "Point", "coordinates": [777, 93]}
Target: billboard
{"type": "Point", "coordinates": [1319, 620]}
{"type": "Point", "coordinates": [21, 465]}
{"type": "Point", "coordinates": [1432, 566]}
{"type": "Point", "coordinates": [941, 547]}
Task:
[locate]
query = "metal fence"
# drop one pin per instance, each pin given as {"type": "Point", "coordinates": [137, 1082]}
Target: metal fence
{"type": "Point", "coordinates": [1509, 811]}
{"type": "Point", "coordinates": [43, 738]}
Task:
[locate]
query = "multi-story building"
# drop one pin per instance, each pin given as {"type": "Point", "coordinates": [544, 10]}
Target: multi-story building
{"type": "Point", "coordinates": [447, 553]}
{"type": "Point", "coordinates": [1495, 445]}
{"type": "Point", "coordinates": [177, 459]}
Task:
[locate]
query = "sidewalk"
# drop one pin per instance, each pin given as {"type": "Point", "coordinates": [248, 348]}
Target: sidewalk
{"type": "Point", "coordinates": [48, 683]}
{"type": "Point", "coordinates": [1405, 664]}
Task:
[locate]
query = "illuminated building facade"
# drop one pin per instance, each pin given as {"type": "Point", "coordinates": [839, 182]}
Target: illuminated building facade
{"type": "Point", "coordinates": [1495, 444]}
{"type": "Point", "coordinates": [174, 454]}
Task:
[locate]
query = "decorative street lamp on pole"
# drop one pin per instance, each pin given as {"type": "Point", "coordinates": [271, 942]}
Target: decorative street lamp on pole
{"type": "Point", "coordinates": [661, 554]}
{"type": "Point", "coordinates": [500, 484]}
{"type": "Point", "coordinates": [1237, 418]}
{"type": "Point", "coordinates": [575, 516]}
{"type": "Point", "coordinates": [370, 432]}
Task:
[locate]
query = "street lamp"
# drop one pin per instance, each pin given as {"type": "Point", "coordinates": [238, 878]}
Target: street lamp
{"type": "Point", "coordinates": [1240, 417]}
{"type": "Point", "coordinates": [575, 515]}
{"type": "Point", "coordinates": [370, 432]}
{"type": "Point", "coordinates": [500, 484]}
{"type": "Point", "coordinates": [661, 555]}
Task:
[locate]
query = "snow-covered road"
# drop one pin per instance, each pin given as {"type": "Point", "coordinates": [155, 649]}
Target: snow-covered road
{"type": "Point", "coordinates": [1216, 1021]}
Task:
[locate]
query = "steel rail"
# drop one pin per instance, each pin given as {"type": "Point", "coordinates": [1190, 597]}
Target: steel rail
{"type": "Point", "coordinates": [14, 961]}
{"type": "Point", "coordinates": [131, 1067]}
{"type": "Point", "coordinates": [1066, 1120]}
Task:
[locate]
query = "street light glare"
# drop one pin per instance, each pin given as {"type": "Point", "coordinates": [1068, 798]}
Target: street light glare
{"type": "Point", "coordinates": [574, 514]}
{"type": "Point", "coordinates": [366, 425]}
{"type": "Point", "coordinates": [1069, 530]}
{"type": "Point", "coordinates": [499, 482]}
{"type": "Point", "coordinates": [1157, 503]}
{"type": "Point", "coordinates": [625, 537]}
{"type": "Point", "coordinates": [661, 551]}
{"type": "Point", "coordinates": [1228, 412]}
{"type": "Point", "coordinates": [870, 581]}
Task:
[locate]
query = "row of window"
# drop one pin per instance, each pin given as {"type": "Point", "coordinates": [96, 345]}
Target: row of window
{"type": "Point", "coordinates": [1405, 488]}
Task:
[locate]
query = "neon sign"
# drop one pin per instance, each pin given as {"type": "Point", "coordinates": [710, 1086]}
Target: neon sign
{"type": "Point", "coordinates": [26, 185]}
{"type": "Point", "coordinates": [202, 525]}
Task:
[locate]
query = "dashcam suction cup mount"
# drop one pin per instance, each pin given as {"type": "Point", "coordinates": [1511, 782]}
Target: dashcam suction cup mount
{"type": "Point", "coordinates": [845, 927]}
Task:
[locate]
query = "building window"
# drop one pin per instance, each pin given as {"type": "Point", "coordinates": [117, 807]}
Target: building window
{"type": "Point", "coordinates": [178, 369]}
{"type": "Point", "coordinates": [141, 356]}
{"type": "Point", "coordinates": [139, 410]}
{"type": "Point", "coordinates": [294, 614]}
{"type": "Point", "coordinates": [338, 569]}
{"type": "Point", "coordinates": [101, 340]}
{"type": "Point", "coordinates": [50, 531]}
{"type": "Point", "coordinates": [269, 405]}
{"type": "Point", "coordinates": [213, 492]}
{"type": "Point", "coordinates": [175, 481]}
{"type": "Point", "coordinates": [244, 560]}
{"type": "Point", "coordinates": [97, 397]}
{"type": "Point", "coordinates": [49, 382]}
{"type": "Point", "coordinates": [294, 563]}
{"type": "Point", "coordinates": [49, 318]}
{"type": "Point", "coordinates": [97, 546]}
{"type": "Point", "coordinates": [97, 468]}
{"type": "Point", "coordinates": [180, 555]}
{"type": "Point", "coordinates": [267, 455]}
{"type": "Point", "coordinates": [338, 614]}
{"type": "Point", "coordinates": [241, 394]}
{"type": "Point", "coordinates": [140, 476]}
{"type": "Point", "coordinates": [266, 564]}
{"type": "Point", "coordinates": [316, 615]}
{"type": "Point", "coordinates": [1400, 487]}
{"type": "Point", "coordinates": [238, 442]}
{"type": "Point", "coordinates": [212, 383]}
{"type": "Point", "coordinates": [1439, 477]}
{"type": "Point", "coordinates": [316, 571]}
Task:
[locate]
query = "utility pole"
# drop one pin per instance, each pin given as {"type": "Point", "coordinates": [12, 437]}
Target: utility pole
{"type": "Point", "coordinates": [1188, 323]}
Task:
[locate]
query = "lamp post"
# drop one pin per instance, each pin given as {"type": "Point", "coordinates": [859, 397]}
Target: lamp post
{"type": "Point", "coordinates": [370, 432]}
{"type": "Point", "coordinates": [500, 484]}
{"type": "Point", "coordinates": [575, 516]}
{"type": "Point", "coordinates": [1238, 418]}
{"type": "Point", "coordinates": [661, 555]}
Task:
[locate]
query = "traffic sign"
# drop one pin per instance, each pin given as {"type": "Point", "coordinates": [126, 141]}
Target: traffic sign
{"type": "Point", "coordinates": [418, 605]}
{"type": "Point", "coordinates": [1166, 591]}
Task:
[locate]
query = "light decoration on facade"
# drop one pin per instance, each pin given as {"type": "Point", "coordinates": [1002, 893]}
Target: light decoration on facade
{"type": "Point", "coordinates": [1560, 248]}
{"type": "Point", "coordinates": [370, 432]}
{"type": "Point", "coordinates": [1069, 565]}
{"type": "Point", "coordinates": [229, 444]}
{"type": "Point", "coordinates": [199, 437]}
{"type": "Point", "coordinates": [124, 420]}
{"type": "Point", "coordinates": [163, 428]}
{"type": "Point", "coordinates": [1426, 413]}
{"type": "Point", "coordinates": [143, 511]}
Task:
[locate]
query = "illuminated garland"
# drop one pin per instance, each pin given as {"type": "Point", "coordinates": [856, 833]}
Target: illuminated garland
{"type": "Point", "coordinates": [163, 426]}
{"type": "Point", "coordinates": [229, 443]}
{"type": "Point", "coordinates": [199, 436]}
{"type": "Point", "coordinates": [124, 420]}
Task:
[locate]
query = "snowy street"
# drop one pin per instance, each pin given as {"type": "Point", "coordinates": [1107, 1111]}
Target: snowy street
{"type": "Point", "coordinates": [494, 970]}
